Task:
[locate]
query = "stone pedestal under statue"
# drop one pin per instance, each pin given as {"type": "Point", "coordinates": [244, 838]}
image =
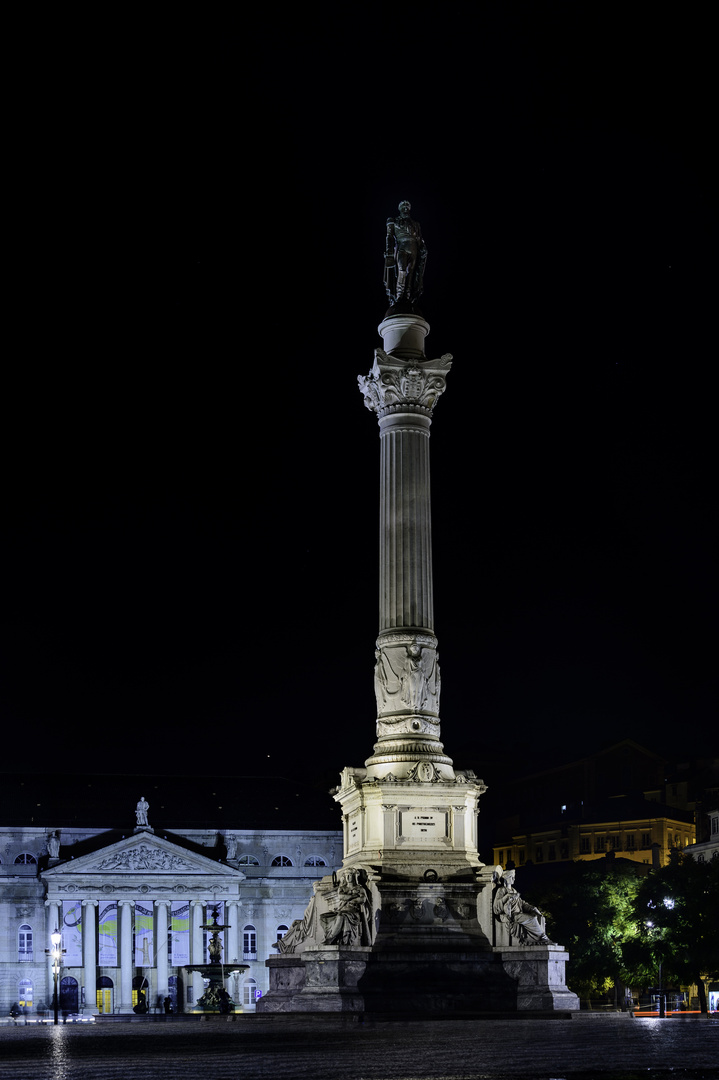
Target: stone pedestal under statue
{"type": "Point", "coordinates": [414, 921]}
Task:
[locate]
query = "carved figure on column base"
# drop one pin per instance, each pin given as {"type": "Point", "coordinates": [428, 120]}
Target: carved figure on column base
{"type": "Point", "coordinates": [348, 923]}
{"type": "Point", "coordinates": [407, 676]}
{"type": "Point", "coordinates": [521, 919]}
{"type": "Point", "coordinates": [339, 913]}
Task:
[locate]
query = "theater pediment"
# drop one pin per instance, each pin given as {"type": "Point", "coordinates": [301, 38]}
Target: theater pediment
{"type": "Point", "coordinates": [143, 854]}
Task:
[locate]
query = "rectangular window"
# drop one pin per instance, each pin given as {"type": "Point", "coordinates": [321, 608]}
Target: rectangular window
{"type": "Point", "coordinates": [630, 841]}
{"type": "Point", "coordinates": [552, 853]}
{"type": "Point", "coordinates": [249, 945]}
{"type": "Point", "coordinates": [24, 945]}
{"type": "Point", "coordinates": [539, 854]}
{"type": "Point", "coordinates": [715, 825]}
{"type": "Point", "coordinates": [615, 843]}
{"type": "Point", "coordinates": [585, 845]}
{"type": "Point", "coordinates": [600, 844]}
{"type": "Point", "coordinates": [521, 856]}
{"type": "Point", "coordinates": [646, 839]}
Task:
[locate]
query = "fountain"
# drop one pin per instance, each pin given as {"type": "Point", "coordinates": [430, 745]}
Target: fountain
{"type": "Point", "coordinates": [215, 998]}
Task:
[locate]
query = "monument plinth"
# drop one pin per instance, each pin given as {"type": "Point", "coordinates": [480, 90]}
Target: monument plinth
{"type": "Point", "coordinates": [410, 923]}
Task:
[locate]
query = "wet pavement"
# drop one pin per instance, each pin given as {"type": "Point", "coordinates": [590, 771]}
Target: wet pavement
{"type": "Point", "coordinates": [327, 1048]}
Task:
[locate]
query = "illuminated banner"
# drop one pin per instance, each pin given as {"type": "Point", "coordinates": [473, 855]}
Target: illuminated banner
{"type": "Point", "coordinates": [72, 933]}
{"type": "Point", "coordinates": [180, 928]}
{"type": "Point", "coordinates": [107, 935]}
{"type": "Point", "coordinates": [210, 918]}
{"type": "Point", "coordinates": [144, 943]}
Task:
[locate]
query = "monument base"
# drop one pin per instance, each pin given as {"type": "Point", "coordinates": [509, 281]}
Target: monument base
{"type": "Point", "coordinates": [425, 947]}
{"type": "Point", "coordinates": [331, 978]}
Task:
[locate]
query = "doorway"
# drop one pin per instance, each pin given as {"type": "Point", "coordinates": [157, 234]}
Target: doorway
{"type": "Point", "coordinates": [69, 997]}
{"type": "Point", "coordinates": [105, 994]}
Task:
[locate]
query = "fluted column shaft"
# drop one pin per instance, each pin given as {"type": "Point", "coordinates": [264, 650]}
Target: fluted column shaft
{"type": "Point", "coordinates": [197, 908]}
{"type": "Point", "coordinates": [233, 934]}
{"type": "Point", "coordinates": [405, 584]}
{"type": "Point", "coordinates": [161, 907]}
{"type": "Point", "coordinates": [126, 957]}
{"type": "Point", "coordinates": [89, 954]}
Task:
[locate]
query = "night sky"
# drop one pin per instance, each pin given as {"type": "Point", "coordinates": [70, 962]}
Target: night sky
{"type": "Point", "coordinates": [190, 495]}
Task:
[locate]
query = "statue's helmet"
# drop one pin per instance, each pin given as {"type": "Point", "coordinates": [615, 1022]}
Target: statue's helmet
{"type": "Point", "coordinates": [404, 205]}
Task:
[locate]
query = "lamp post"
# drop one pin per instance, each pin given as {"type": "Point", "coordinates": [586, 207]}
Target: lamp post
{"type": "Point", "coordinates": [56, 955]}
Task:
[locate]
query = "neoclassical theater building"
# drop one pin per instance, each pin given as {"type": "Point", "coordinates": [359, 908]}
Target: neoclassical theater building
{"type": "Point", "coordinates": [131, 904]}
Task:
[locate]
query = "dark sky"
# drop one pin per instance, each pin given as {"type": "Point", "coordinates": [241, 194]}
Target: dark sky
{"type": "Point", "coordinates": [189, 526]}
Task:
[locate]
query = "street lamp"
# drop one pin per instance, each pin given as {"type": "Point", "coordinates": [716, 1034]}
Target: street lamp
{"type": "Point", "coordinates": [56, 939]}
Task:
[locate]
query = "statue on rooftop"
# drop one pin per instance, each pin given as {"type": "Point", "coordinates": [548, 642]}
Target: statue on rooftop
{"type": "Point", "coordinates": [405, 257]}
{"type": "Point", "coordinates": [141, 811]}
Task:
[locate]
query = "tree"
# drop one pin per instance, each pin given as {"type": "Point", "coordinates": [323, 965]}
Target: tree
{"type": "Point", "coordinates": [590, 910]}
{"type": "Point", "coordinates": [677, 910]}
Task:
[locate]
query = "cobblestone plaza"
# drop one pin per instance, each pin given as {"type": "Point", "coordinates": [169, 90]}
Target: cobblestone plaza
{"type": "Point", "coordinates": [327, 1048]}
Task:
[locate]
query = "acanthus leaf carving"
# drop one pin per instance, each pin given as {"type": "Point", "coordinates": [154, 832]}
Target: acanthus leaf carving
{"type": "Point", "coordinates": [413, 384]}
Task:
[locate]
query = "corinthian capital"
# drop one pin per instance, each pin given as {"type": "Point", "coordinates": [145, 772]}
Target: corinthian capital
{"type": "Point", "coordinates": [394, 384]}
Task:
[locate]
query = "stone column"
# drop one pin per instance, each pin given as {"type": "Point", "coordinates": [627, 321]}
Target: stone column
{"type": "Point", "coordinates": [53, 922]}
{"type": "Point", "coordinates": [402, 389]}
{"type": "Point", "coordinates": [126, 958]}
{"type": "Point", "coordinates": [197, 956]}
{"type": "Point", "coordinates": [161, 907]}
{"type": "Point", "coordinates": [233, 934]}
{"type": "Point", "coordinates": [89, 954]}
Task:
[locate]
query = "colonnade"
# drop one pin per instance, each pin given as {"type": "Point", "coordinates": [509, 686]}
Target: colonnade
{"type": "Point", "coordinates": [158, 972]}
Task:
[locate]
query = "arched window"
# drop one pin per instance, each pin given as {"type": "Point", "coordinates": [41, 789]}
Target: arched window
{"type": "Point", "coordinates": [281, 931]}
{"type": "Point", "coordinates": [248, 860]}
{"type": "Point", "coordinates": [24, 994]}
{"type": "Point", "coordinates": [315, 860]}
{"type": "Point", "coordinates": [24, 942]}
{"type": "Point", "coordinates": [25, 859]}
{"type": "Point", "coordinates": [281, 860]}
{"type": "Point", "coordinates": [249, 993]}
{"type": "Point", "coordinates": [249, 943]}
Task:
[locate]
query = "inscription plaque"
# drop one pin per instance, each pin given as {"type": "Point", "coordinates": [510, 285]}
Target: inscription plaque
{"type": "Point", "coordinates": [423, 826]}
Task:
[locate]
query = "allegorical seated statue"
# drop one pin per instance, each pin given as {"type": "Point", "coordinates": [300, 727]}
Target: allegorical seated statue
{"type": "Point", "coordinates": [405, 256]}
{"type": "Point", "coordinates": [348, 923]}
{"type": "Point", "coordinates": [520, 918]}
{"type": "Point", "coordinates": [337, 914]}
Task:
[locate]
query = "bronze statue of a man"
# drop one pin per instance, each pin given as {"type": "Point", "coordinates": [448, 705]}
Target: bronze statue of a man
{"type": "Point", "coordinates": [405, 256]}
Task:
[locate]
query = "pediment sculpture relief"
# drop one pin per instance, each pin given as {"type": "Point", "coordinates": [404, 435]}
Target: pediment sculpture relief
{"type": "Point", "coordinates": [144, 858]}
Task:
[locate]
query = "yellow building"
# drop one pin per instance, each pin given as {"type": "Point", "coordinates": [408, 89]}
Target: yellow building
{"type": "Point", "coordinates": [637, 829]}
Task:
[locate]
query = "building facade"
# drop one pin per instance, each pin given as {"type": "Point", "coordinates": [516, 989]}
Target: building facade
{"type": "Point", "coordinates": [643, 833]}
{"type": "Point", "coordinates": [708, 847]}
{"type": "Point", "coordinates": [131, 910]}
